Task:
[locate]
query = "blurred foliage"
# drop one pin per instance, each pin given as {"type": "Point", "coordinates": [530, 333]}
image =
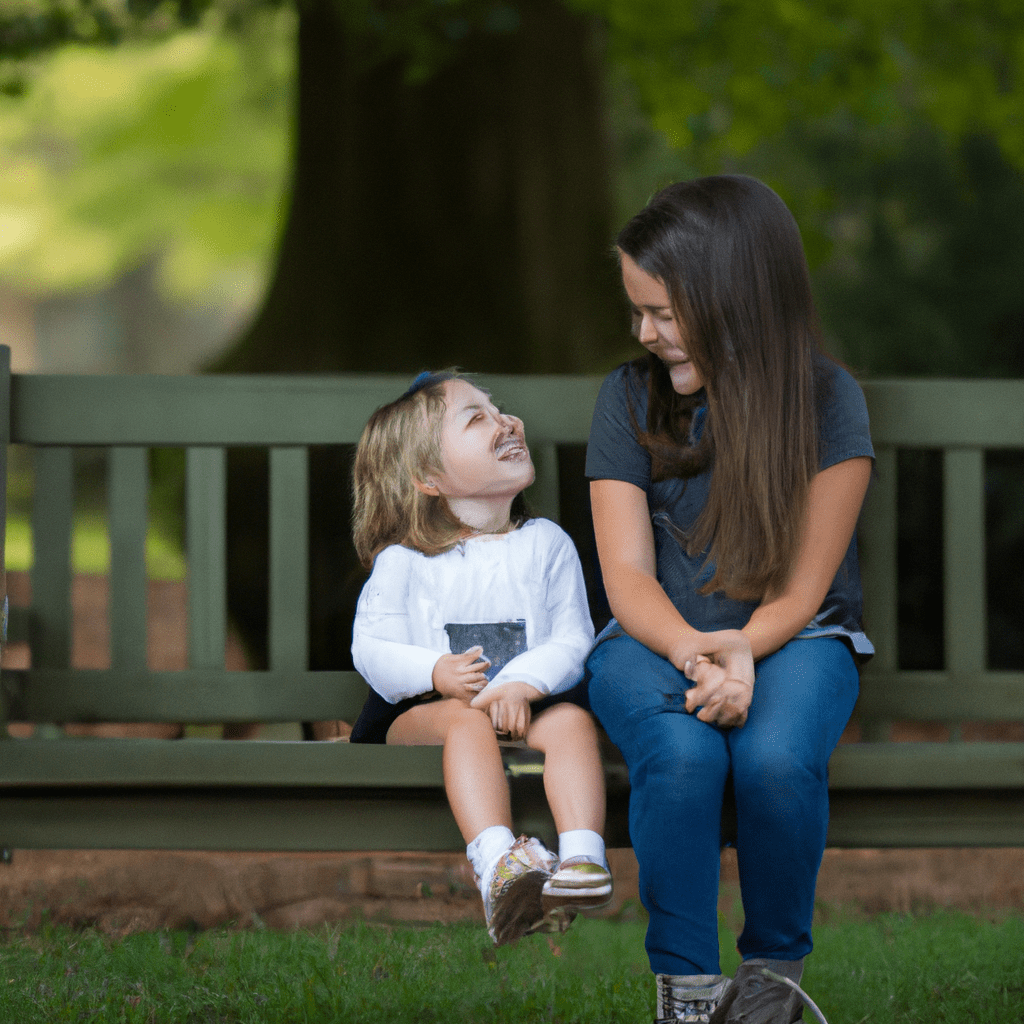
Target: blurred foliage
{"type": "Point", "coordinates": [175, 148]}
{"type": "Point", "coordinates": [722, 76]}
{"type": "Point", "coordinates": [29, 29]}
{"type": "Point", "coordinates": [892, 130]}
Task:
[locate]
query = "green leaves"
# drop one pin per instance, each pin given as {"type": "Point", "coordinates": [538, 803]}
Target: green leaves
{"type": "Point", "coordinates": [725, 75]}
{"type": "Point", "coordinates": [174, 151]}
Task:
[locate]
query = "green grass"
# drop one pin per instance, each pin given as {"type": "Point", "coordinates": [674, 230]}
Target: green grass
{"type": "Point", "coordinates": [937, 968]}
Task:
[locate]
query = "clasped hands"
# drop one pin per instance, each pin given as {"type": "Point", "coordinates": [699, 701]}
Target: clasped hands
{"type": "Point", "coordinates": [461, 676]}
{"type": "Point", "coordinates": [721, 666]}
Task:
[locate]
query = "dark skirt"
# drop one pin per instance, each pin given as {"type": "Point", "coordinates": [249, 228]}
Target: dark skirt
{"type": "Point", "coordinates": [377, 715]}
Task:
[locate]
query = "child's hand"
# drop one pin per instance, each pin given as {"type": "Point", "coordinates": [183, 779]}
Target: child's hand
{"type": "Point", "coordinates": [509, 707]}
{"type": "Point", "coordinates": [460, 675]}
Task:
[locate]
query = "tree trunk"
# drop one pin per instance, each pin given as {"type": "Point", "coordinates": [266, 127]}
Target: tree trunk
{"type": "Point", "coordinates": [460, 221]}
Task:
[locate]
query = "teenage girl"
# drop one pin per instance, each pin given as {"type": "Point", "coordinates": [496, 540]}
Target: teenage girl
{"type": "Point", "coordinates": [728, 465]}
{"type": "Point", "coordinates": [473, 628]}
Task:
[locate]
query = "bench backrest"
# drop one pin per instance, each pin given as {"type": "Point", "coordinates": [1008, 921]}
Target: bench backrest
{"type": "Point", "coordinates": [206, 415]}
{"type": "Point", "coordinates": [961, 420]}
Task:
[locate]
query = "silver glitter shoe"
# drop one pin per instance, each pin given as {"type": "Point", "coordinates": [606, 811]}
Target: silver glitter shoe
{"type": "Point", "coordinates": [688, 997]}
{"type": "Point", "coordinates": [578, 883]}
{"type": "Point", "coordinates": [512, 903]}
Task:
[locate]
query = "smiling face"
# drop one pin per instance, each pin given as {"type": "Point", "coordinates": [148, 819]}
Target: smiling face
{"type": "Point", "coordinates": [656, 328]}
{"type": "Point", "coordinates": [484, 457]}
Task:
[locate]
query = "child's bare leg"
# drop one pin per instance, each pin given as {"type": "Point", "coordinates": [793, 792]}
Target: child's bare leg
{"type": "Point", "coordinates": [474, 775]}
{"type": "Point", "coordinates": [573, 776]}
{"type": "Point", "coordinates": [474, 779]}
{"type": "Point", "coordinates": [574, 784]}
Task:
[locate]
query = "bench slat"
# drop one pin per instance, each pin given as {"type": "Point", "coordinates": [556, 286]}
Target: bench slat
{"type": "Point", "coordinates": [975, 765]}
{"type": "Point", "coordinates": [926, 818]}
{"type": "Point", "coordinates": [291, 819]}
{"type": "Point", "coordinates": [255, 409]}
{"type": "Point", "coordinates": [205, 545]}
{"type": "Point", "coordinates": [946, 413]}
{"type": "Point", "coordinates": [542, 496]}
{"type": "Point", "coordinates": [402, 819]}
{"type": "Point", "coordinates": [923, 696]}
{"type": "Point", "coordinates": [203, 764]}
{"type": "Point", "coordinates": [194, 695]}
{"type": "Point", "coordinates": [963, 518]}
{"type": "Point", "coordinates": [127, 502]}
{"type": "Point", "coordinates": [5, 440]}
{"type": "Point", "coordinates": [404, 800]}
{"type": "Point", "coordinates": [877, 550]}
{"type": "Point", "coordinates": [289, 559]}
{"type": "Point", "coordinates": [150, 409]}
{"type": "Point", "coordinates": [50, 629]}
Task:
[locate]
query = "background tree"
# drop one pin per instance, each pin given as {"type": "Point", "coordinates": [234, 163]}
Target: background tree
{"type": "Point", "coordinates": [451, 196]}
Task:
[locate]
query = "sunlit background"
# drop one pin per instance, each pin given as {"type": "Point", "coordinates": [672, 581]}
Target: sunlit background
{"type": "Point", "coordinates": [351, 185]}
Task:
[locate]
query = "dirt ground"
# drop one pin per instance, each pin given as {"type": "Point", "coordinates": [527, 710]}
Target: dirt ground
{"type": "Point", "coordinates": [124, 891]}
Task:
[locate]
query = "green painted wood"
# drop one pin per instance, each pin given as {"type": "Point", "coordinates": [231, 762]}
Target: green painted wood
{"type": "Point", "coordinates": [258, 409]}
{"type": "Point", "coordinates": [154, 410]}
{"type": "Point", "coordinates": [964, 559]}
{"type": "Point", "coordinates": [127, 499]}
{"type": "Point", "coordinates": [50, 625]}
{"type": "Point", "coordinates": [942, 696]}
{"type": "Point", "coordinates": [205, 545]}
{"type": "Point", "coordinates": [18, 625]}
{"type": "Point", "coordinates": [557, 408]}
{"type": "Point", "coordinates": [213, 695]}
{"type": "Point", "coordinates": [5, 440]}
{"type": "Point", "coordinates": [262, 795]}
{"type": "Point", "coordinates": [542, 496]}
{"type": "Point", "coordinates": [943, 413]}
{"type": "Point", "coordinates": [289, 559]}
{"type": "Point", "coordinates": [291, 819]}
{"type": "Point", "coordinates": [877, 550]}
{"type": "Point", "coordinates": [926, 819]}
{"type": "Point", "coordinates": [181, 411]}
{"type": "Point", "coordinates": [195, 695]}
{"type": "Point", "coordinates": [202, 764]}
{"type": "Point", "coordinates": [304, 819]}
{"type": "Point", "coordinates": [923, 766]}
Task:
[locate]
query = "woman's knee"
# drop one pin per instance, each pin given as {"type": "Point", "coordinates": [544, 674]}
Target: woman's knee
{"type": "Point", "coordinates": [778, 769]}
{"type": "Point", "coordinates": [628, 681]}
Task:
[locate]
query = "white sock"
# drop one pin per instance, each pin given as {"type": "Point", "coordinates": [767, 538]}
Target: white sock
{"type": "Point", "coordinates": [582, 842]}
{"type": "Point", "coordinates": [486, 850]}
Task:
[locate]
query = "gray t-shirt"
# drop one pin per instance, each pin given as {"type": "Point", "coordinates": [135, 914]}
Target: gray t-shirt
{"type": "Point", "coordinates": [614, 453]}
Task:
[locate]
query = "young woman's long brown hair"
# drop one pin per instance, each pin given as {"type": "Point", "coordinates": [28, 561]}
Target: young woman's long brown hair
{"type": "Point", "coordinates": [728, 252]}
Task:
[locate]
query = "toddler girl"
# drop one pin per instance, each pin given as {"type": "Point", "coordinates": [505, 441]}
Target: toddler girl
{"type": "Point", "coordinates": [473, 627]}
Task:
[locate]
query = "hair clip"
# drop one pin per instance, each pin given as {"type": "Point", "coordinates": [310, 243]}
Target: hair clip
{"type": "Point", "coordinates": [420, 381]}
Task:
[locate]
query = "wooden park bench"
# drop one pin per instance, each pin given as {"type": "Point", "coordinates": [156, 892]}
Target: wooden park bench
{"type": "Point", "coordinates": [58, 791]}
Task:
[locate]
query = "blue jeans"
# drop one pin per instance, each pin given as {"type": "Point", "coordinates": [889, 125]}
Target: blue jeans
{"type": "Point", "coordinates": [678, 769]}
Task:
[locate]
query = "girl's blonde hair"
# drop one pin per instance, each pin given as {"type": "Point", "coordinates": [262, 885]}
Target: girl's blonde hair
{"type": "Point", "coordinates": [400, 444]}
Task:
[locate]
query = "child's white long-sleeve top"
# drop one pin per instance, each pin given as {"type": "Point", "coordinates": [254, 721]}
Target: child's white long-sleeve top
{"type": "Point", "coordinates": [530, 574]}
